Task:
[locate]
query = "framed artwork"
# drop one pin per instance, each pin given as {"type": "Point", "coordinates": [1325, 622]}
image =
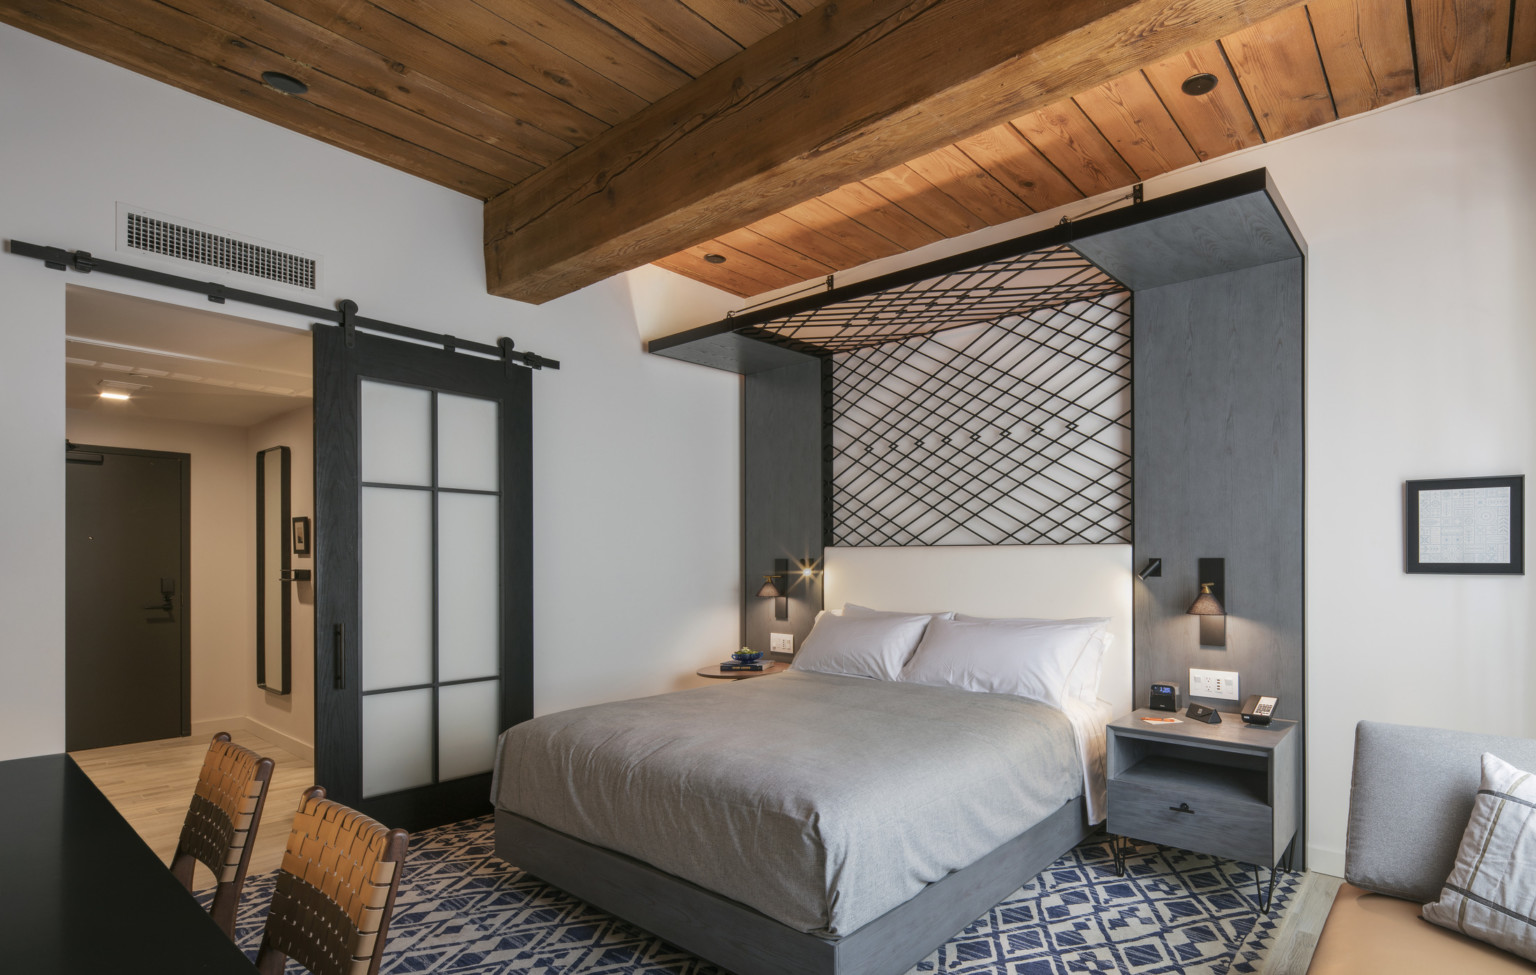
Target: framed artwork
{"type": "Point", "coordinates": [1465, 525]}
{"type": "Point", "coordinates": [301, 536]}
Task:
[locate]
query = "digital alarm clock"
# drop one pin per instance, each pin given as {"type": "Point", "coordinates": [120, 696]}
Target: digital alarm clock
{"type": "Point", "coordinates": [1165, 696]}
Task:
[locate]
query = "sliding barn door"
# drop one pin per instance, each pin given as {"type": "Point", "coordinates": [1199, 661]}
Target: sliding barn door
{"type": "Point", "coordinates": [423, 574]}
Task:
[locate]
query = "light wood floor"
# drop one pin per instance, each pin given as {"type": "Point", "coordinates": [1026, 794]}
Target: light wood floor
{"type": "Point", "coordinates": [151, 784]}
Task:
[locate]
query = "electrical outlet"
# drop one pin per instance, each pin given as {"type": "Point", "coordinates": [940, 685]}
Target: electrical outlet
{"type": "Point", "coordinates": [1221, 684]}
{"type": "Point", "coordinates": [785, 643]}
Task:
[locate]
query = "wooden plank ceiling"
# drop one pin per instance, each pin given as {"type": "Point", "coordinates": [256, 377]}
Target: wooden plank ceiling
{"type": "Point", "coordinates": [483, 95]}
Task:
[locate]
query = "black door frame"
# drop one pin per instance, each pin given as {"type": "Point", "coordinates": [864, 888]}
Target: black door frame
{"type": "Point", "coordinates": [81, 454]}
{"type": "Point", "coordinates": [343, 358]}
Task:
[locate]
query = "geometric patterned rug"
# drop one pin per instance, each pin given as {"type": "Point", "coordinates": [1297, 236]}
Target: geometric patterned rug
{"type": "Point", "coordinates": [462, 910]}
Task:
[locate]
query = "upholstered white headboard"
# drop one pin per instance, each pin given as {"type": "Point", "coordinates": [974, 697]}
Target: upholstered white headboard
{"type": "Point", "coordinates": [1043, 581]}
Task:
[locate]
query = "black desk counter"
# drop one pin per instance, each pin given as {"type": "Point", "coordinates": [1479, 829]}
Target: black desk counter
{"type": "Point", "coordinates": [80, 892]}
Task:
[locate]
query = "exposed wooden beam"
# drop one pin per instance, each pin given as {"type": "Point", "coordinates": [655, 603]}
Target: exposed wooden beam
{"type": "Point", "coordinates": [851, 90]}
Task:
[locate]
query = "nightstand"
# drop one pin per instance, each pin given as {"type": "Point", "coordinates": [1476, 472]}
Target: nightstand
{"type": "Point", "coordinates": [1227, 790]}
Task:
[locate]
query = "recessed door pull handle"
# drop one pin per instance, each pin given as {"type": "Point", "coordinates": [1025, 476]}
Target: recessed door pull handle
{"type": "Point", "coordinates": [1182, 807]}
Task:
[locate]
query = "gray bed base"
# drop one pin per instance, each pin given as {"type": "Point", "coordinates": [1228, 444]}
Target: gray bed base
{"type": "Point", "coordinates": [746, 942]}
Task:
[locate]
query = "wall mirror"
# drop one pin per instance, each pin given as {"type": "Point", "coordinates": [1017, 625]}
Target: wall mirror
{"type": "Point", "coordinates": [274, 646]}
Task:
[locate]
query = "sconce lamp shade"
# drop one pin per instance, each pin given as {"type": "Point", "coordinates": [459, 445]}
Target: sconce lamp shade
{"type": "Point", "coordinates": [1206, 604]}
{"type": "Point", "coordinates": [770, 589]}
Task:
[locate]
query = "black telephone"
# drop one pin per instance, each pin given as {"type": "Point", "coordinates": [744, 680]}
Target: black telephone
{"type": "Point", "coordinates": [1259, 709]}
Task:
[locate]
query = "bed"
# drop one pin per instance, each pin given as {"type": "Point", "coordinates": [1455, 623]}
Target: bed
{"type": "Point", "coordinates": [803, 823]}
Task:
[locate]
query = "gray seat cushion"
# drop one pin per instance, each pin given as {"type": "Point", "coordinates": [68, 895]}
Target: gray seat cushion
{"type": "Point", "coordinates": [1409, 803]}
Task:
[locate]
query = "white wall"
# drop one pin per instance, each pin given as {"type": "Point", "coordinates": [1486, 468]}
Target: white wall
{"type": "Point", "coordinates": [636, 458]}
{"type": "Point", "coordinates": [220, 587]}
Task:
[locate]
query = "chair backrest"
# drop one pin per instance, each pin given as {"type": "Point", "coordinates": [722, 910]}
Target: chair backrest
{"type": "Point", "coordinates": [220, 829]}
{"type": "Point", "coordinates": [1409, 801]}
{"type": "Point", "coordinates": [335, 891]}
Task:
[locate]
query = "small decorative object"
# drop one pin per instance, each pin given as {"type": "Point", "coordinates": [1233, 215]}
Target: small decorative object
{"type": "Point", "coordinates": [301, 536]}
{"type": "Point", "coordinates": [1465, 525]}
{"type": "Point", "coordinates": [747, 655]}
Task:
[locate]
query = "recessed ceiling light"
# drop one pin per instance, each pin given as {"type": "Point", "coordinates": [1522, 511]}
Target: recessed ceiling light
{"type": "Point", "coordinates": [1198, 84]}
{"type": "Point", "coordinates": [715, 258]}
{"type": "Point", "coordinates": [112, 389]}
{"type": "Point", "coordinates": [287, 84]}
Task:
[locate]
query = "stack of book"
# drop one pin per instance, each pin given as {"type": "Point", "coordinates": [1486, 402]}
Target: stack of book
{"type": "Point", "coordinates": [734, 664]}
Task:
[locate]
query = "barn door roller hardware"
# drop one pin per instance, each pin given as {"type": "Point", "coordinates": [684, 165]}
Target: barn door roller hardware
{"type": "Point", "coordinates": [344, 314]}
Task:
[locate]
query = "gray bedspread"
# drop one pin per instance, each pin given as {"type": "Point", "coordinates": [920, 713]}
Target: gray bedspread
{"type": "Point", "coordinates": [821, 801]}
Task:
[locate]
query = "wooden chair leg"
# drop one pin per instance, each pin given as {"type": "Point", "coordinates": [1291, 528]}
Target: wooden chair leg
{"type": "Point", "coordinates": [226, 899]}
{"type": "Point", "coordinates": [270, 961]}
{"type": "Point", "coordinates": [182, 864]}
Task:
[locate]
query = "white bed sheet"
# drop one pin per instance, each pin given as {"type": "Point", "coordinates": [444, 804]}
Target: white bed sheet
{"type": "Point", "coordinates": [1088, 727]}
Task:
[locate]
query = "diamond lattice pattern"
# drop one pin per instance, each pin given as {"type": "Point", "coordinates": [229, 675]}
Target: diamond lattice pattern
{"type": "Point", "coordinates": [1012, 431]}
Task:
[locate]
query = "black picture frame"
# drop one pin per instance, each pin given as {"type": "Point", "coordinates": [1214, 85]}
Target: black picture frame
{"type": "Point", "coordinates": [301, 536]}
{"type": "Point", "coordinates": [1422, 558]}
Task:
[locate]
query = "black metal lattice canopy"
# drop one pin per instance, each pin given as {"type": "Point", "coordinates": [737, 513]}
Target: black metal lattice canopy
{"type": "Point", "coordinates": [1222, 226]}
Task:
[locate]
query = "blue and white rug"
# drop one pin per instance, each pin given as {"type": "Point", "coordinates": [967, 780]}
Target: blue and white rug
{"type": "Point", "coordinates": [461, 910]}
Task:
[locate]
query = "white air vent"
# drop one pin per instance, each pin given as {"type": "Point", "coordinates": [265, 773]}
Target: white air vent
{"type": "Point", "coordinates": [141, 231]}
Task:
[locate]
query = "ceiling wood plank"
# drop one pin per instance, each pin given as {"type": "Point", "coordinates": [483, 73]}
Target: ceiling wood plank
{"type": "Point", "coordinates": [1215, 123]}
{"type": "Point", "coordinates": [373, 75]}
{"type": "Point", "coordinates": [827, 221]}
{"type": "Point", "coordinates": [742, 274]}
{"type": "Point", "coordinates": [906, 189]}
{"type": "Point", "coordinates": [404, 42]}
{"type": "Point", "coordinates": [670, 29]}
{"type": "Point", "coordinates": [126, 47]}
{"type": "Point", "coordinates": [1012, 161]}
{"type": "Point", "coordinates": [860, 203]}
{"type": "Point", "coordinates": [246, 57]}
{"type": "Point", "coordinates": [759, 132]}
{"type": "Point", "coordinates": [803, 7]}
{"type": "Point", "coordinates": [969, 185]}
{"type": "Point", "coordinates": [1367, 51]}
{"type": "Point", "coordinates": [786, 259]}
{"type": "Point", "coordinates": [1278, 66]}
{"type": "Point", "coordinates": [1522, 43]}
{"type": "Point", "coordinates": [480, 32]}
{"type": "Point", "coordinates": [744, 21]}
{"type": "Point", "coordinates": [1458, 40]}
{"type": "Point", "coordinates": [595, 43]}
{"type": "Point", "coordinates": [1066, 137]}
{"type": "Point", "coordinates": [1130, 115]}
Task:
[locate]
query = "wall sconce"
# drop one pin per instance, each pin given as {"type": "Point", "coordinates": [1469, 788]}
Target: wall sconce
{"type": "Point", "coordinates": [1154, 567]}
{"type": "Point", "coordinates": [776, 585]}
{"type": "Point", "coordinates": [1210, 605]}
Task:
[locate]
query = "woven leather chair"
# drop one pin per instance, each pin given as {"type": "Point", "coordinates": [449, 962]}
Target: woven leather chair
{"type": "Point", "coordinates": [335, 891]}
{"type": "Point", "coordinates": [220, 828]}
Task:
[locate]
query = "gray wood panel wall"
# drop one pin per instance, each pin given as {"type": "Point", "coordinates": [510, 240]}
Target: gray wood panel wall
{"type": "Point", "coordinates": [1219, 473]}
{"type": "Point", "coordinates": [781, 495]}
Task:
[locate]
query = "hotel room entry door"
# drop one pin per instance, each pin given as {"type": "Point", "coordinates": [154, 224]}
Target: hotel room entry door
{"type": "Point", "coordinates": [423, 573]}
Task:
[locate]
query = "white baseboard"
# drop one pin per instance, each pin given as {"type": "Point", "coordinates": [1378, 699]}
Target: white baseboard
{"type": "Point", "coordinates": [239, 723]}
{"type": "Point", "coordinates": [1324, 860]}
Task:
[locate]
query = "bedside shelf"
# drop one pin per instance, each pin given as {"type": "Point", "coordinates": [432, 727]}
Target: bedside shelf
{"type": "Point", "coordinates": [1199, 779]}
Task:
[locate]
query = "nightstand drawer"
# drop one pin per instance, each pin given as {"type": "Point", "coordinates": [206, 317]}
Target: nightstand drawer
{"type": "Point", "coordinates": [1233, 826]}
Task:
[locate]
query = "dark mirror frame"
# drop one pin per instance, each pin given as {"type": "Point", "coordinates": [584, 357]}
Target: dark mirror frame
{"type": "Point", "coordinates": [273, 581]}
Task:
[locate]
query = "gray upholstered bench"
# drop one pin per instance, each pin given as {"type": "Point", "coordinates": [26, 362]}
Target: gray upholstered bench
{"type": "Point", "coordinates": [1409, 802]}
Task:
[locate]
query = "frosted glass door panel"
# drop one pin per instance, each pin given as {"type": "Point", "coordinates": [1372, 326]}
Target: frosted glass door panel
{"type": "Point", "coordinates": [397, 741]}
{"type": "Point", "coordinates": [468, 723]}
{"type": "Point", "coordinates": [396, 583]}
{"type": "Point", "coordinates": [396, 434]}
{"type": "Point", "coordinates": [467, 440]}
{"type": "Point", "coordinates": [469, 586]}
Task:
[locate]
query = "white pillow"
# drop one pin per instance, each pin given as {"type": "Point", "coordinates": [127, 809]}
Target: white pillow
{"type": "Point", "coordinates": [1491, 892]}
{"type": "Point", "coordinates": [1088, 669]}
{"type": "Point", "coordinates": [1026, 658]}
{"type": "Point", "coordinates": [871, 646]}
{"type": "Point", "coordinates": [856, 611]}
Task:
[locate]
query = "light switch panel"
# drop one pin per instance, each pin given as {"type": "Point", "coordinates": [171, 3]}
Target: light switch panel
{"type": "Point", "coordinates": [781, 642]}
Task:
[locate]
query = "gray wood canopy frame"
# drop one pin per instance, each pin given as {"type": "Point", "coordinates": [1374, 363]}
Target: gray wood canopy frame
{"type": "Point", "coordinates": [746, 942]}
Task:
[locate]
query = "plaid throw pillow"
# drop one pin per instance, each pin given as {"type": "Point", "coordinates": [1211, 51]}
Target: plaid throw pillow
{"type": "Point", "coordinates": [1491, 893]}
